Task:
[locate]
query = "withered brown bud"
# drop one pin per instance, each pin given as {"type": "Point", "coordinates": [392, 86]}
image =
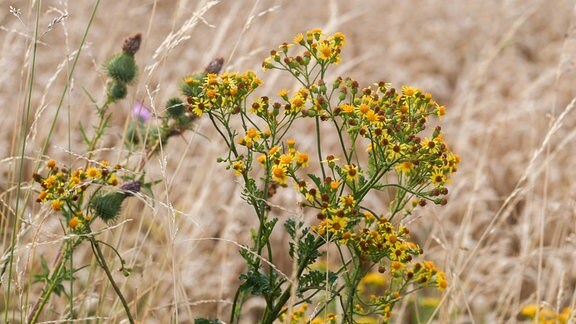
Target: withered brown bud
{"type": "Point", "coordinates": [130, 188]}
{"type": "Point", "coordinates": [132, 44]}
{"type": "Point", "coordinates": [37, 177]}
{"type": "Point", "coordinates": [215, 66]}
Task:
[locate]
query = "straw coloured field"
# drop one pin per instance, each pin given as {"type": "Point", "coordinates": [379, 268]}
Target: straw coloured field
{"type": "Point", "coordinates": [167, 161]}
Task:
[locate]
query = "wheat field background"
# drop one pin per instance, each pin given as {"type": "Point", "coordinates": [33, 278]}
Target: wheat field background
{"type": "Point", "coordinates": [505, 70]}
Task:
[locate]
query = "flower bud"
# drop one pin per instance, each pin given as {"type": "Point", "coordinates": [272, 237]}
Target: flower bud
{"type": "Point", "coordinates": [175, 107]}
{"type": "Point", "coordinates": [107, 205]}
{"type": "Point", "coordinates": [117, 90]}
{"type": "Point", "coordinates": [214, 66]}
{"type": "Point", "coordinates": [132, 44]}
{"type": "Point", "coordinates": [122, 68]}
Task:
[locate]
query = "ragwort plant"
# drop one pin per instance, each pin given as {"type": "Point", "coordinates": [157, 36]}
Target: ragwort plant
{"type": "Point", "coordinates": [97, 190]}
{"type": "Point", "coordinates": [383, 146]}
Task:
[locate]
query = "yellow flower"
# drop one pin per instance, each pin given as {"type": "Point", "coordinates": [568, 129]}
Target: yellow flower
{"type": "Point", "coordinates": [252, 135]}
{"type": "Point", "coordinates": [313, 34]}
{"type": "Point", "coordinates": [347, 108]}
{"type": "Point", "coordinates": [351, 172]}
{"type": "Point", "coordinates": [261, 159]}
{"type": "Point", "coordinates": [212, 79]}
{"type": "Point", "coordinates": [347, 201]}
{"type": "Point", "coordinates": [267, 64]}
{"type": "Point", "coordinates": [113, 180]}
{"type": "Point", "coordinates": [337, 224]}
{"type": "Point", "coordinates": [441, 281]}
{"type": "Point", "coordinates": [324, 51]}
{"type": "Point", "coordinates": [299, 39]}
{"type": "Point", "coordinates": [51, 164]}
{"type": "Point", "coordinates": [74, 222]}
{"type": "Point", "coordinates": [334, 184]}
{"type": "Point", "coordinates": [273, 151]}
{"type": "Point", "coordinates": [374, 279]}
{"type": "Point", "coordinates": [279, 174]}
{"type": "Point", "coordinates": [396, 151]}
{"type": "Point", "coordinates": [93, 173]}
{"type": "Point", "coordinates": [438, 177]}
{"type": "Point", "coordinates": [297, 102]}
{"type": "Point", "coordinates": [284, 93]}
{"type": "Point", "coordinates": [259, 106]}
{"type": "Point", "coordinates": [410, 91]}
{"type": "Point", "coordinates": [441, 111]}
{"type": "Point", "coordinates": [51, 182]}
{"type": "Point", "coordinates": [302, 159]}
{"type": "Point", "coordinates": [238, 167]}
{"type": "Point", "coordinates": [285, 159]}
{"type": "Point", "coordinates": [396, 265]}
{"type": "Point", "coordinates": [339, 39]}
{"type": "Point", "coordinates": [364, 108]}
{"type": "Point", "coordinates": [56, 205]}
{"type": "Point", "coordinates": [405, 167]}
{"type": "Point", "coordinates": [42, 195]}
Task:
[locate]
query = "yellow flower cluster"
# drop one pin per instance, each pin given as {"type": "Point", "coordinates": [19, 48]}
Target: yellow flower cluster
{"type": "Point", "coordinates": [323, 50]}
{"type": "Point", "coordinates": [297, 316]}
{"type": "Point", "coordinates": [391, 122]}
{"type": "Point", "coordinates": [227, 90]}
{"type": "Point", "coordinates": [284, 165]}
{"type": "Point", "coordinates": [545, 315]}
{"type": "Point", "coordinates": [62, 188]}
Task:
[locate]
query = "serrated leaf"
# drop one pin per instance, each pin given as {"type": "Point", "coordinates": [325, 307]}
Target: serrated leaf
{"type": "Point", "coordinates": [317, 181]}
{"type": "Point", "coordinates": [290, 226]}
{"type": "Point", "coordinates": [316, 279]}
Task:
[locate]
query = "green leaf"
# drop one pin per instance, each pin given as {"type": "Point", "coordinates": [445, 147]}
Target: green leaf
{"type": "Point", "coordinates": [43, 276]}
{"type": "Point", "coordinates": [255, 282]}
{"type": "Point", "coordinates": [316, 279]}
{"type": "Point", "coordinates": [317, 181]}
{"type": "Point", "coordinates": [290, 226]}
{"type": "Point", "coordinates": [83, 133]}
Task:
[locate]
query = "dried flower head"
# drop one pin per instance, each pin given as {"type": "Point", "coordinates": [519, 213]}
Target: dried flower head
{"type": "Point", "coordinates": [132, 44]}
{"type": "Point", "coordinates": [214, 66]}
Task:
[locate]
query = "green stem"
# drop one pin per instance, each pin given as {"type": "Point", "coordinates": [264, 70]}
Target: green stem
{"type": "Point", "coordinates": [269, 317]}
{"type": "Point", "coordinates": [352, 289]}
{"type": "Point", "coordinates": [104, 265]}
{"type": "Point", "coordinates": [102, 123]}
{"type": "Point", "coordinates": [234, 306]}
{"type": "Point", "coordinates": [20, 165]}
{"type": "Point", "coordinates": [64, 255]}
{"type": "Point", "coordinates": [319, 147]}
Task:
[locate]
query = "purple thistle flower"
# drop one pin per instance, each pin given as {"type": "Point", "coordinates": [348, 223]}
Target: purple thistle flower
{"type": "Point", "coordinates": [142, 112]}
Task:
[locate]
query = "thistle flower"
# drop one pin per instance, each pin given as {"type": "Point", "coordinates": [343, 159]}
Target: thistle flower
{"type": "Point", "coordinates": [141, 112]}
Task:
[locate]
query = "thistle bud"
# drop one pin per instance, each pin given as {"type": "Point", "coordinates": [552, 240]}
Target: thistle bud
{"type": "Point", "coordinates": [107, 205]}
{"type": "Point", "coordinates": [117, 90]}
{"type": "Point", "coordinates": [122, 68]}
{"type": "Point", "coordinates": [175, 107]}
